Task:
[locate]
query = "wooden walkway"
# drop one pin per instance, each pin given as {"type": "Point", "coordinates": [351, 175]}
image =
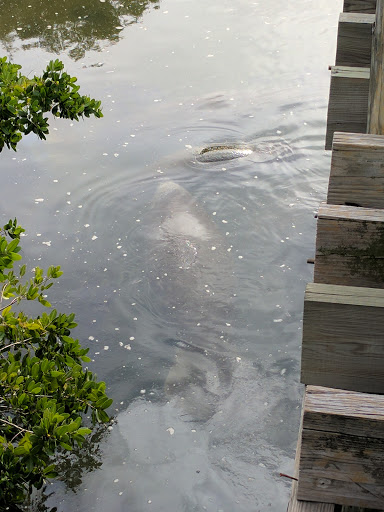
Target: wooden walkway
{"type": "Point", "coordinates": [339, 465]}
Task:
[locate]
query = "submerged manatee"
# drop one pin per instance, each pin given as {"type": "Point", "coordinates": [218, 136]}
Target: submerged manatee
{"type": "Point", "coordinates": [191, 290]}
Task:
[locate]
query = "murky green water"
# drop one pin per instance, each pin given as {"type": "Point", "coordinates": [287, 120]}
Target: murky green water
{"type": "Point", "coordinates": [203, 362]}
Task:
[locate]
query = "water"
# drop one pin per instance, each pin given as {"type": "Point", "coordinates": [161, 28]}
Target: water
{"type": "Point", "coordinates": [175, 77]}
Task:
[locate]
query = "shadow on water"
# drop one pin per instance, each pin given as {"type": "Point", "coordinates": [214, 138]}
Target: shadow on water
{"type": "Point", "coordinates": [68, 26]}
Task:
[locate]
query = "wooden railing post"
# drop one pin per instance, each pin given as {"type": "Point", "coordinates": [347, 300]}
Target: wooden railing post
{"type": "Point", "coordinates": [376, 86]}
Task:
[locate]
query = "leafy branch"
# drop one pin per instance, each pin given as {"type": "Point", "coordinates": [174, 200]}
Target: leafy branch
{"type": "Point", "coordinates": [24, 101]}
{"type": "Point", "coordinates": [44, 389]}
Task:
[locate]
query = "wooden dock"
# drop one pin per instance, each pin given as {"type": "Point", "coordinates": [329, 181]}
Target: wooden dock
{"type": "Point", "coordinates": [339, 465]}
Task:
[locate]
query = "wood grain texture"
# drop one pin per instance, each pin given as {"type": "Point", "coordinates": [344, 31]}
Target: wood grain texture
{"type": "Point", "coordinates": [338, 465]}
{"type": "Point", "coordinates": [367, 6]}
{"type": "Point", "coordinates": [343, 342]}
{"type": "Point", "coordinates": [376, 86]}
{"type": "Point", "coordinates": [346, 508]}
{"type": "Point", "coordinates": [344, 412]}
{"type": "Point", "coordinates": [348, 101]}
{"type": "Point", "coordinates": [357, 170]}
{"type": "Point", "coordinates": [357, 141]}
{"type": "Point", "coordinates": [294, 504]}
{"type": "Point", "coordinates": [354, 39]}
{"type": "Point", "coordinates": [350, 246]}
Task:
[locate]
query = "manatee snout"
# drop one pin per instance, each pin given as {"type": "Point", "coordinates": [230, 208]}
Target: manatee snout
{"type": "Point", "coordinates": [222, 152]}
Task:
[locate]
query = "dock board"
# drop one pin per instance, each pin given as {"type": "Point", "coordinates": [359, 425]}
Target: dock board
{"type": "Point", "coordinates": [357, 170]}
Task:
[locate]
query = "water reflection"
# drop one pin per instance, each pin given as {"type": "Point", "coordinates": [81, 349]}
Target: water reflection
{"type": "Point", "coordinates": [68, 25]}
{"type": "Point", "coordinates": [72, 468]}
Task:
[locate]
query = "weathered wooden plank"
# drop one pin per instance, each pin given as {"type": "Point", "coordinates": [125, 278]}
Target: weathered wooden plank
{"type": "Point", "coordinates": [368, 6]}
{"type": "Point", "coordinates": [329, 211]}
{"type": "Point", "coordinates": [354, 39]}
{"type": "Point", "coordinates": [343, 341]}
{"type": "Point", "coordinates": [357, 170]}
{"type": "Point", "coordinates": [376, 86]}
{"type": "Point", "coordinates": [357, 142]}
{"type": "Point", "coordinates": [337, 465]}
{"type": "Point", "coordinates": [350, 72]}
{"type": "Point", "coordinates": [348, 101]}
{"type": "Point", "coordinates": [334, 410]}
{"type": "Point", "coordinates": [339, 294]}
{"type": "Point", "coordinates": [294, 504]}
{"type": "Point", "coordinates": [346, 508]}
{"type": "Point", "coordinates": [350, 246]}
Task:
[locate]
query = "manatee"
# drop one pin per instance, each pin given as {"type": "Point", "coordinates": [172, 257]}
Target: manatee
{"type": "Point", "coordinates": [222, 152]}
{"type": "Point", "coordinates": [190, 280]}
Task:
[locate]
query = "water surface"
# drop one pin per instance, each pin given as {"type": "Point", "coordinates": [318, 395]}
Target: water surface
{"type": "Point", "coordinates": [175, 77]}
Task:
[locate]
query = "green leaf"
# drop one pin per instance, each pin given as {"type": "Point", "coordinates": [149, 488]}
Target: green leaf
{"type": "Point", "coordinates": [66, 446]}
{"type": "Point", "coordinates": [12, 246]}
{"type": "Point", "coordinates": [74, 425]}
{"type": "Point", "coordinates": [84, 431]}
{"type": "Point", "coordinates": [102, 416]}
{"type": "Point", "coordinates": [52, 474]}
{"type": "Point", "coordinates": [57, 373]}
